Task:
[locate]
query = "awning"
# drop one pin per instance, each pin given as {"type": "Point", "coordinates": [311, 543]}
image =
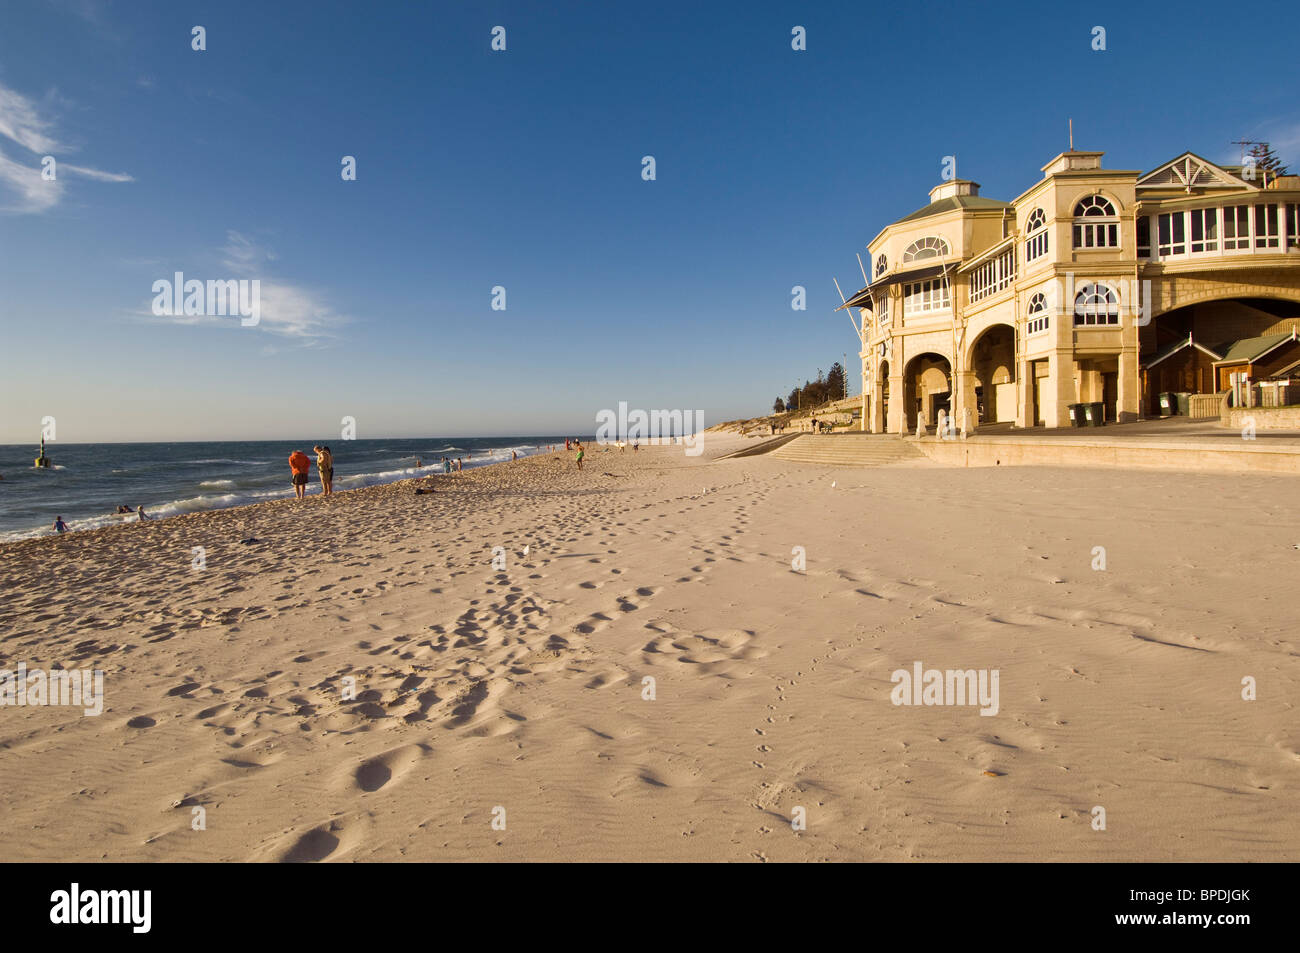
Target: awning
{"type": "Point", "coordinates": [898, 277]}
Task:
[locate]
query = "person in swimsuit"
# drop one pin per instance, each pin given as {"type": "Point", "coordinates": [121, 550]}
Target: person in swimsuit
{"type": "Point", "coordinates": [581, 452]}
{"type": "Point", "coordinates": [140, 514]}
{"type": "Point", "coordinates": [59, 525]}
{"type": "Point", "coordinates": [325, 467]}
{"type": "Point", "coordinates": [299, 466]}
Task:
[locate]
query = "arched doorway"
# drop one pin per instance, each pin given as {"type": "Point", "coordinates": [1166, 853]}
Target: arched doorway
{"type": "Point", "coordinates": [927, 384]}
{"type": "Point", "coordinates": [1178, 348]}
{"type": "Point", "coordinates": [992, 361]}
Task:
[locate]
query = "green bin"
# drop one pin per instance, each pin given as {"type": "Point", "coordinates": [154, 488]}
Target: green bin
{"type": "Point", "coordinates": [1184, 404]}
{"type": "Point", "coordinates": [1077, 418]}
{"type": "Point", "coordinates": [1095, 414]}
{"type": "Point", "coordinates": [1168, 405]}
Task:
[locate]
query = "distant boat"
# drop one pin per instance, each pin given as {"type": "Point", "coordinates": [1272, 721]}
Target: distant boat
{"type": "Point", "coordinates": [43, 461]}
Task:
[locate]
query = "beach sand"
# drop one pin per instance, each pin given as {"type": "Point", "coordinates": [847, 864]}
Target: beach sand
{"type": "Point", "coordinates": [484, 694]}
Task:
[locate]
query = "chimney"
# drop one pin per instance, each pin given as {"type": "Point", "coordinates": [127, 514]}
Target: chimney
{"type": "Point", "coordinates": [953, 188]}
{"type": "Point", "coordinates": [1073, 161]}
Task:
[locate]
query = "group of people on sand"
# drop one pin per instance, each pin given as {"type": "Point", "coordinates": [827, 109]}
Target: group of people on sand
{"type": "Point", "coordinates": [62, 527]}
{"type": "Point", "coordinates": [576, 444]}
{"type": "Point", "coordinates": [300, 468]}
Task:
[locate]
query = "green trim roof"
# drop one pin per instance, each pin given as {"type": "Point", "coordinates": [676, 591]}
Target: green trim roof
{"type": "Point", "coordinates": [1249, 349]}
{"type": "Point", "coordinates": [951, 204]}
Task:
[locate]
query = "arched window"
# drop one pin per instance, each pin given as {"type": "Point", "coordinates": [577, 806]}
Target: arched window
{"type": "Point", "coordinates": [1035, 235]}
{"type": "Point", "coordinates": [1096, 305]}
{"type": "Point", "coordinates": [1038, 316]}
{"type": "Point", "coordinates": [928, 247]}
{"type": "Point", "coordinates": [881, 264]}
{"type": "Point", "coordinates": [1096, 224]}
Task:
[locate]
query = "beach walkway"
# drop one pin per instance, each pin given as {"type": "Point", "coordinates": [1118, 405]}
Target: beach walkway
{"type": "Point", "coordinates": [1177, 443]}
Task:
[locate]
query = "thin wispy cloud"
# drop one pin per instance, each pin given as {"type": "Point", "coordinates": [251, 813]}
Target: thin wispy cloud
{"type": "Point", "coordinates": [27, 190]}
{"type": "Point", "coordinates": [96, 174]}
{"type": "Point", "coordinates": [287, 310]}
{"type": "Point", "coordinates": [20, 121]}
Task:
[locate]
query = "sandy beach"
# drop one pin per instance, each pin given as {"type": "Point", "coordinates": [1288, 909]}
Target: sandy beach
{"type": "Point", "coordinates": [518, 694]}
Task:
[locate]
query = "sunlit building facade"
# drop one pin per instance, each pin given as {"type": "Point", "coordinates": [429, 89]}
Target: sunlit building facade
{"type": "Point", "coordinates": [1092, 286]}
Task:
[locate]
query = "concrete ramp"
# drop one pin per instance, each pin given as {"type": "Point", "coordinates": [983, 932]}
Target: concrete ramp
{"type": "Point", "coordinates": [767, 446]}
{"type": "Point", "coordinates": [850, 450]}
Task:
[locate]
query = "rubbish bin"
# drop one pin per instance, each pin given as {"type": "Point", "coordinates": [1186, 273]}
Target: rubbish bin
{"type": "Point", "coordinates": [1076, 415]}
{"type": "Point", "coordinates": [1184, 404]}
{"type": "Point", "coordinates": [1095, 414]}
{"type": "Point", "coordinates": [1168, 405]}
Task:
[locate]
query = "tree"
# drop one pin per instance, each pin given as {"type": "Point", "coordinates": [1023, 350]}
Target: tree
{"type": "Point", "coordinates": [779, 406]}
{"type": "Point", "coordinates": [792, 402]}
{"type": "Point", "coordinates": [1266, 161]}
{"type": "Point", "coordinates": [835, 381]}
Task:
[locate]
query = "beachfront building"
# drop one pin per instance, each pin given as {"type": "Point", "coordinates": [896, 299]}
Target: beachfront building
{"type": "Point", "coordinates": [1094, 285]}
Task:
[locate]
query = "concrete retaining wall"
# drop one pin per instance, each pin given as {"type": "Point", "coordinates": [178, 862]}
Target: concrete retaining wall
{"type": "Point", "coordinates": [1266, 418]}
{"type": "Point", "coordinates": [1021, 452]}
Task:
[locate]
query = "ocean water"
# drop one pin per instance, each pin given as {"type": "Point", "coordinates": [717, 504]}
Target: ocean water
{"type": "Point", "coordinates": [87, 482]}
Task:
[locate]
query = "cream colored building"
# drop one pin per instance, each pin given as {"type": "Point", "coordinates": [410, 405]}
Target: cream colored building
{"type": "Point", "coordinates": [1079, 290]}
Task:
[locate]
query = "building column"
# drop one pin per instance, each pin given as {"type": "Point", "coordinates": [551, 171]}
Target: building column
{"type": "Point", "coordinates": [1024, 393]}
{"type": "Point", "coordinates": [897, 418]}
{"type": "Point", "coordinates": [1060, 391]}
{"type": "Point", "coordinates": [1129, 386]}
{"type": "Point", "coordinates": [964, 400]}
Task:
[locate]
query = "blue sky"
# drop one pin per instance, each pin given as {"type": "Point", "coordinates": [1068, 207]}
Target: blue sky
{"type": "Point", "coordinates": [522, 169]}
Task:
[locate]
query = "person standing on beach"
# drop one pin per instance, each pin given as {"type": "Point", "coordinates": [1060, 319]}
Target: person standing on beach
{"type": "Point", "coordinates": [299, 466]}
{"type": "Point", "coordinates": [578, 444]}
{"type": "Point", "coordinates": [59, 525]}
{"type": "Point", "coordinates": [325, 467]}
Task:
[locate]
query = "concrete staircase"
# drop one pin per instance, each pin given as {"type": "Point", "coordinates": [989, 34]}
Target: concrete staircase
{"type": "Point", "coordinates": [849, 450]}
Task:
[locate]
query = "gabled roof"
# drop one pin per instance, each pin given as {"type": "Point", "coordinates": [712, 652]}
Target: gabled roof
{"type": "Point", "coordinates": [1169, 350]}
{"type": "Point", "coordinates": [1249, 350]}
{"type": "Point", "coordinates": [1289, 371]}
{"type": "Point", "coordinates": [1189, 171]}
